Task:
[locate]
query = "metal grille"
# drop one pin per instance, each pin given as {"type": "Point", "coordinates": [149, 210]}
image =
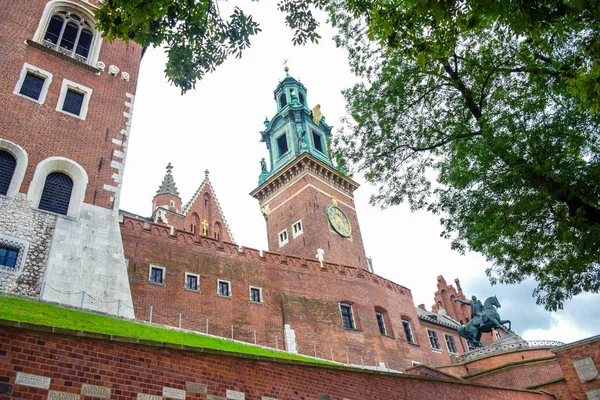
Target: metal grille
{"type": "Point", "coordinates": [57, 193]}
{"type": "Point", "coordinates": [8, 257]}
{"type": "Point", "coordinates": [73, 102]}
{"type": "Point", "coordinates": [7, 169]}
{"type": "Point", "coordinates": [32, 86]}
{"type": "Point", "coordinates": [347, 319]}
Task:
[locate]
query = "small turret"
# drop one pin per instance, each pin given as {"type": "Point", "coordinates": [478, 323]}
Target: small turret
{"type": "Point", "coordinates": [167, 196]}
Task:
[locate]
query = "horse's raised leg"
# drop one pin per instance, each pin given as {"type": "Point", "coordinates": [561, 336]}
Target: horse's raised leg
{"type": "Point", "coordinates": [497, 324]}
{"type": "Point", "coordinates": [506, 321]}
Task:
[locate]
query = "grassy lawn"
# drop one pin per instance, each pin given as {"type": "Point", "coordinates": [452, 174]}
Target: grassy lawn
{"type": "Point", "coordinates": [33, 312]}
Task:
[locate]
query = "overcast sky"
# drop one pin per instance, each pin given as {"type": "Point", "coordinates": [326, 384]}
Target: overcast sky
{"type": "Point", "coordinates": [216, 127]}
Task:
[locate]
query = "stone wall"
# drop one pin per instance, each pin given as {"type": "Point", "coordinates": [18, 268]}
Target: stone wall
{"type": "Point", "coordinates": [59, 367]}
{"type": "Point", "coordinates": [33, 229]}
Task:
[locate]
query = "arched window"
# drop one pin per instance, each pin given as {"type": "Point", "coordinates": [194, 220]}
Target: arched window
{"type": "Point", "coordinates": [57, 193]}
{"type": "Point", "coordinates": [195, 223]}
{"type": "Point", "coordinates": [301, 97]}
{"type": "Point", "coordinates": [282, 100]}
{"type": "Point", "coordinates": [8, 163]}
{"type": "Point", "coordinates": [69, 33]}
{"type": "Point", "coordinates": [218, 230]}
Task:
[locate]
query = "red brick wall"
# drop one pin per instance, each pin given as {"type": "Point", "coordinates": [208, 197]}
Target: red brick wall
{"type": "Point", "coordinates": [521, 375]}
{"type": "Point", "coordinates": [131, 369]}
{"type": "Point", "coordinates": [575, 351]}
{"type": "Point", "coordinates": [295, 291]}
{"type": "Point", "coordinates": [40, 129]}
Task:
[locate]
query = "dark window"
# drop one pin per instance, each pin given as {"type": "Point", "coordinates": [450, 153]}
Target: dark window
{"type": "Point", "coordinates": [301, 98]}
{"type": "Point", "coordinates": [156, 275]}
{"type": "Point", "coordinates": [470, 346]}
{"type": "Point", "coordinates": [70, 32]}
{"type": "Point", "coordinates": [8, 256]}
{"type": "Point", "coordinates": [224, 288]}
{"type": "Point", "coordinates": [255, 295]}
{"type": "Point", "coordinates": [191, 282]}
{"type": "Point", "coordinates": [7, 168]}
{"type": "Point", "coordinates": [32, 86]}
{"type": "Point", "coordinates": [450, 343]}
{"type": "Point", "coordinates": [347, 318]}
{"type": "Point", "coordinates": [318, 142]}
{"type": "Point", "coordinates": [407, 331]}
{"type": "Point", "coordinates": [73, 102]}
{"type": "Point", "coordinates": [282, 145]}
{"type": "Point", "coordinates": [57, 193]}
{"type": "Point", "coordinates": [380, 322]}
{"type": "Point", "coordinates": [282, 100]}
{"type": "Point", "coordinates": [433, 339]}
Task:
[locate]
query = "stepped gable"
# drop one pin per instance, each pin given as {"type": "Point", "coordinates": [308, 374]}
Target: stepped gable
{"type": "Point", "coordinates": [198, 205]}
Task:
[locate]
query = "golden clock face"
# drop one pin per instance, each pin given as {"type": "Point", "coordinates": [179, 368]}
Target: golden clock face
{"type": "Point", "coordinates": [338, 220]}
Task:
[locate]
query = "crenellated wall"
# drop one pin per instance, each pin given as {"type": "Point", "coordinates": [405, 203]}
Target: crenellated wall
{"type": "Point", "coordinates": [299, 292]}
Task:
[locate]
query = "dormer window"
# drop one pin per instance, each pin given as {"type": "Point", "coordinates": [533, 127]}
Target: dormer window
{"type": "Point", "coordinates": [69, 34]}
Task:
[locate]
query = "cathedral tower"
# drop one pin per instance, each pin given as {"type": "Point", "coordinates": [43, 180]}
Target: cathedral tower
{"type": "Point", "coordinates": [67, 99]}
{"type": "Point", "coordinates": [307, 203]}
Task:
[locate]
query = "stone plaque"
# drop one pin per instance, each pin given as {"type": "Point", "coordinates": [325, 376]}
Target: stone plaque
{"type": "Point", "coordinates": [142, 396]}
{"type": "Point", "coordinates": [233, 395]}
{"type": "Point", "coordinates": [173, 393]}
{"type": "Point", "coordinates": [5, 389]}
{"type": "Point", "coordinates": [32, 380]}
{"type": "Point", "coordinates": [593, 394]}
{"type": "Point", "coordinates": [586, 369]}
{"type": "Point", "coordinates": [324, 397]}
{"type": "Point", "coordinates": [95, 391]}
{"type": "Point", "coordinates": [52, 395]}
{"type": "Point", "coordinates": [195, 387]}
{"type": "Point", "coordinates": [211, 397]}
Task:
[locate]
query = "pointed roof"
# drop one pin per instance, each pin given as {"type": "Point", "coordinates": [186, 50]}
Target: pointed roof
{"type": "Point", "coordinates": [168, 184]}
{"type": "Point", "coordinates": [206, 182]}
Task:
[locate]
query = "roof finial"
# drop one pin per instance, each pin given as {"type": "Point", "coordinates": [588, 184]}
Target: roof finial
{"type": "Point", "coordinates": [169, 168]}
{"type": "Point", "coordinates": [285, 68]}
{"type": "Point", "coordinates": [206, 174]}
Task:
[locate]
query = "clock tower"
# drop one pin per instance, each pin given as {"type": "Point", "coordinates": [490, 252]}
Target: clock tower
{"type": "Point", "coordinates": [307, 203]}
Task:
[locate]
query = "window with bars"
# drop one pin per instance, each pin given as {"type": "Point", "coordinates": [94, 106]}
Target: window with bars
{"type": "Point", "coordinates": [407, 331]}
{"type": "Point", "coordinates": [56, 195]}
{"type": "Point", "coordinates": [8, 256]}
{"type": "Point", "coordinates": [32, 86]}
{"type": "Point", "coordinates": [347, 316]}
{"type": "Point", "coordinates": [255, 294]}
{"type": "Point", "coordinates": [433, 339]}
{"type": "Point", "coordinates": [69, 34]}
{"type": "Point", "coordinates": [381, 323]}
{"type": "Point", "coordinates": [192, 282]}
{"type": "Point", "coordinates": [223, 288]}
{"type": "Point", "coordinates": [451, 344]}
{"type": "Point", "coordinates": [157, 275]}
{"type": "Point", "coordinates": [8, 163]}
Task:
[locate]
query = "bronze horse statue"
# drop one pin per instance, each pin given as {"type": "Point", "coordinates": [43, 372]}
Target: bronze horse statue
{"type": "Point", "coordinates": [484, 322]}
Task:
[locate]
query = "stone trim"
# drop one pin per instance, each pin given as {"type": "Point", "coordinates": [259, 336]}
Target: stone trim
{"type": "Point", "coordinates": [22, 161]}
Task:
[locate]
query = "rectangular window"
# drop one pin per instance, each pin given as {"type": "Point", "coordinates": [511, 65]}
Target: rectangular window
{"type": "Point", "coordinates": [282, 145]}
{"type": "Point", "coordinates": [223, 288]}
{"type": "Point", "coordinates": [32, 86]}
{"type": "Point", "coordinates": [283, 237]}
{"type": "Point", "coordinates": [433, 339]}
{"type": "Point", "coordinates": [347, 317]}
{"type": "Point", "coordinates": [255, 294]}
{"type": "Point", "coordinates": [470, 346]}
{"type": "Point", "coordinates": [73, 102]}
{"type": "Point", "coordinates": [157, 274]}
{"type": "Point", "coordinates": [381, 323]}
{"type": "Point", "coordinates": [407, 331]}
{"type": "Point", "coordinates": [451, 344]}
{"type": "Point", "coordinates": [192, 282]}
{"type": "Point", "coordinates": [8, 256]}
{"type": "Point", "coordinates": [318, 142]}
{"type": "Point", "coordinates": [297, 229]}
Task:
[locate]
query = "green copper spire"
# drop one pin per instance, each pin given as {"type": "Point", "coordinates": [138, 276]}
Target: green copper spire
{"type": "Point", "coordinates": [168, 184]}
{"type": "Point", "coordinates": [295, 129]}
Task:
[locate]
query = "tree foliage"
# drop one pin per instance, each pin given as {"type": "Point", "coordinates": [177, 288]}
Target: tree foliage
{"type": "Point", "coordinates": [484, 112]}
{"type": "Point", "coordinates": [197, 38]}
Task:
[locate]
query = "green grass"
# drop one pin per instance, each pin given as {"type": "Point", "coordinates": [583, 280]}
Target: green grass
{"type": "Point", "coordinates": [38, 313]}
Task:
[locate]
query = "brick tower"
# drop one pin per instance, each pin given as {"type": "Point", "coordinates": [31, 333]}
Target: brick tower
{"type": "Point", "coordinates": [307, 203]}
{"type": "Point", "coordinates": [67, 98]}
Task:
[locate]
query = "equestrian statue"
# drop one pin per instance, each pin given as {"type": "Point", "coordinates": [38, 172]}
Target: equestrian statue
{"type": "Point", "coordinates": [484, 318]}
